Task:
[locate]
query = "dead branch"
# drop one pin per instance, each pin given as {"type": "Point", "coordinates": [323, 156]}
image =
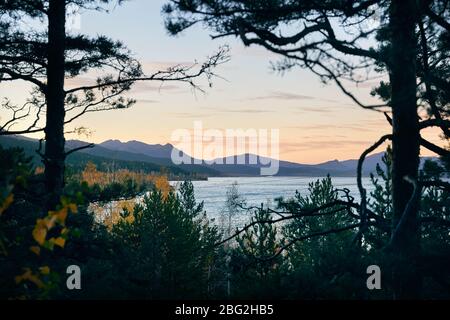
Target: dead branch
{"type": "Point", "coordinates": [434, 148]}
{"type": "Point", "coordinates": [88, 146]}
{"type": "Point", "coordinates": [362, 190]}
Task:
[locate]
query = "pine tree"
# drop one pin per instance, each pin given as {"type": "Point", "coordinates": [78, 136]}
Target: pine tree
{"type": "Point", "coordinates": [49, 55]}
{"type": "Point", "coordinates": [351, 41]}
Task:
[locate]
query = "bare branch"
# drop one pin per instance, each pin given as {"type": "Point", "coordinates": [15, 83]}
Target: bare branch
{"type": "Point", "coordinates": [309, 236]}
{"type": "Point", "coordinates": [88, 146]}
{"type": "Point", "coordinates": [438, 19]}
{"type": "Point", "coordinates": [428, 91]}
{"type": "Point", "coordinates": [17, 76]}
{"type": "Point", "coordinates": [316, 212]}
{"type": "Point", "coordinates": [434, 148]}
{"type": "Point", "coordinates": [362, 190]}
{"type": "Point", "coordinates": [177, 73]}
{"type": "Point", "coordinates": [435, 123]}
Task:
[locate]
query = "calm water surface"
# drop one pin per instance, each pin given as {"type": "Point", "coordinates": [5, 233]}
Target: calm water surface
{"type": "Point", "coordinates": [257, 190]}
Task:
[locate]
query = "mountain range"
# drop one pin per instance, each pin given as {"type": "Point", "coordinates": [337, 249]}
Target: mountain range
{"type": "Point", "coordinates": [154, 156]}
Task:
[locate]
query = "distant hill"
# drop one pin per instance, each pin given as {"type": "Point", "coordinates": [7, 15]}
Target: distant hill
{"type": "Point", "coordinates": [78, 160]}
{"type": "Point", "coordinates": [286, 168]}
{"type": "Point", "coordinates": [334, 167]}
{"type": "Point", "coordinates": [123, 154]}
{"type": "Point", "coordinates": [154, 151]}
{"type": "Point", "coordinates": [151, 157]}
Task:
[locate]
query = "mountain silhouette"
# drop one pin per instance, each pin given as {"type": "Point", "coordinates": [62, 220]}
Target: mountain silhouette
{"type": "Point", "coordinates": [158, 155]}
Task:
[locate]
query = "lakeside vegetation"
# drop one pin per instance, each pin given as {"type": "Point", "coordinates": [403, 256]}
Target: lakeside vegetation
{"type": "Point", "coordinates": [164, 247]}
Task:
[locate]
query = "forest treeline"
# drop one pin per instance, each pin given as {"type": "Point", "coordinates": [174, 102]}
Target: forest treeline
{"type": "Point", "coordinates": [164, 247]}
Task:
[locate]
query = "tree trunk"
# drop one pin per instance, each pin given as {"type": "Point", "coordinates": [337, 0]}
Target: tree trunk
{"type": "Point", "coordinates": [55, 95]}
{"type": "Point", "coordinates": [405, 146]}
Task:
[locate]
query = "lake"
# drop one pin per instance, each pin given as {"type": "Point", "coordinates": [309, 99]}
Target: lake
{"type": "Point", "coordinates": [257, 190]}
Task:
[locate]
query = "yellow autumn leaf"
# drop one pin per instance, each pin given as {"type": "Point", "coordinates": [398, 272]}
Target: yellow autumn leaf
{"type": "Point", "coordinates": [36, 250]}
{"type": "Point", "coordinates": [61, 215]}
{"type": "Point", "coordinates": [162, 184]}
{"type": "Point", "coordinates": [20, 278]}
{"type": "Point", "coordinates": [6, 203]}
{"type": "Point", "coordinates": [41, 223]}
{"type": "Point", "coordinates": [44, 270]}
{"type": "Point", "coordinates": [50, 221]}
{"type": "Point", "coordinates": [28, 275]}
{"type": "Point", "coordinates": [39, 234]}
{"type": "Point", "coordinates": [59, 241]}
{"type": "Point", "coordinates": [46, 223]}
{"type": "Point", "coordinates": [73, 207]}
{"type": "Point", "coordinates": [38, 282]}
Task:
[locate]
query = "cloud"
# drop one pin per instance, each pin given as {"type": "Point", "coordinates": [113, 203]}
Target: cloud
{"type": "Point", "coordinates": [147, 101]}
{"type": "Point", "coordinates": [80, 81]}
{"type": "Point", "coordinates": [239, 110]}
{"type": "Point", "coordinates": [188, 115]}
{"type": "Point", "coordinates": [311, 137]}
{"type": "Point", "coordinates": [367, 84]}
{"type": "Point", "coordinates": [321, 110]}
{"type": "Point", "coordinates": [241, 50]}
{"type": "Point", "coordinates": [152, 86]}
{"type": "Point", "coordinates": [369, 127]}
{"type": "Point", "coordinates": [287, 147]}
{"type": "Point", "coordinates": [288, 96]}
{"type": "Point", "coordinates": [280, 95]}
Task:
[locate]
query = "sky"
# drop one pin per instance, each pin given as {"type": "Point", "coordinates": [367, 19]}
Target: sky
{"type": "Point", "coordinates": [316, 122]}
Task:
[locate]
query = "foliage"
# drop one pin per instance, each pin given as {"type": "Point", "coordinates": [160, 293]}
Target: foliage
{"type": "Point", "coordinates": [323, 266]}
{"type": "Point", "coordinates": [254, 270]}
{"type": "Point", "coordinates": [13, 173]}
{"type": "Point", "coordinates": [381, 200]}
{"type": "Point", "coordinates": [167, 246]}
{"type": "Point", "coordinates": [164, 247]}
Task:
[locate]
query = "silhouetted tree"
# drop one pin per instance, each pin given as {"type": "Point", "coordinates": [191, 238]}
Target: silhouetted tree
{"type": "Point", "coordinates": [49, 54]}
{"type": "Point", "coordinates": [350, 41]}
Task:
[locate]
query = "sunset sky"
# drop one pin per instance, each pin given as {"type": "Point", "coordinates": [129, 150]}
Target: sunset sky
{"type": "Point", "coordinates": [317, 122]}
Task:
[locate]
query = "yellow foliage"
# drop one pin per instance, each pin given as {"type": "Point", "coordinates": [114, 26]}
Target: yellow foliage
{"type": "Point", "coordinates": [92, 176]}
{"type": "Point", "coordinates": [72, 207]}
{"type": "Point", "coordinates": [45, 270]}
{"type": "Point", "coordinates": [60, 215]}
{"type": "Point", "coordinates": [60, 242]}
{"type": "Point", "coordinates": [162, 184]}
{"type": "Point", "coordinates": [111, 214]}
{"type": "Point", "coordinates": [36, 250]}
{"type": "Point", "coordinates": [30, 276]}
{"type": "Point", "coordinates": [53, 218]}
{"type": "Point", "coordinates": [40, 232]}
{"type": "Point", "coordinates": [6, 203]}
